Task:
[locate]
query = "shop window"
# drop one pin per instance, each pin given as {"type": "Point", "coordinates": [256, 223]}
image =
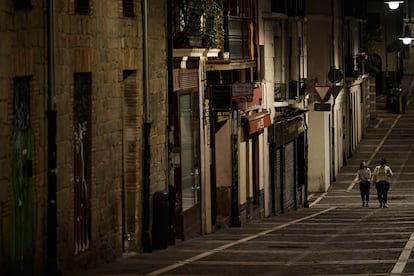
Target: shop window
{"type": "Point", "coordinates": [82, 6]}
{"type": "Point", "coordinates": [22, 4]}
{"type": "Point", "coordinates": [128, 8]}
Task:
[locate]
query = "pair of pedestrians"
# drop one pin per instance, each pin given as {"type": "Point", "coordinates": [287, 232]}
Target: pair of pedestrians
{"type": "Point", "coordinates": [380, 177]}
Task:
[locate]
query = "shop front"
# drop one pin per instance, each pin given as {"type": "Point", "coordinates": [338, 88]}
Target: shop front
{"type": "Point", "coordinates": [288, 158]}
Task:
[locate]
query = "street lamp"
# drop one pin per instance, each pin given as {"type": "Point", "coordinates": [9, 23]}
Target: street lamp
{"type": "Point", "coordinates": [407, 38]}
{"type": "Point", "coordinates": [393, 5]}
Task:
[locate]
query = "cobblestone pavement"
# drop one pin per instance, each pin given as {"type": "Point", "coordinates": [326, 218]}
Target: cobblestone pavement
{"type": "Point", "coordinates": [334, 236]}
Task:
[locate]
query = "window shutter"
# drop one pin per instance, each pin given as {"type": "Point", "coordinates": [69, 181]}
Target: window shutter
{"type": "Point", "coordinates": [82, 6]}
{"type": "Point", "coordinates": [22, 4]}
{"type": "Point", "coordinates": [128, 8]}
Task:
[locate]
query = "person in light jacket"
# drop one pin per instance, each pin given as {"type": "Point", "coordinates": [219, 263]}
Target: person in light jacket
{"type": "Point", "coordinates": [364, 178]}
{"type": "Point", "coordinates": [381, 178]}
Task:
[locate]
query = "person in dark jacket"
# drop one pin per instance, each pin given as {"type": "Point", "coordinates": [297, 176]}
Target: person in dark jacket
{"type": "Point", "coordinates": [364, 178]}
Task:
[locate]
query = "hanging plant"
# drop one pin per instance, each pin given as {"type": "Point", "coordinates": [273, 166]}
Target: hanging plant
{"type": "Point", "coordinates": [212, 23]}
{"type": "Point", "coordinates": [199, 23]}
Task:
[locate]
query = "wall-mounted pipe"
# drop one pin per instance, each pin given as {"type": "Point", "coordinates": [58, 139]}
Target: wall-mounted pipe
{"type": "Point", "coordinates": [333, 155]}
{"type": "Point", "coordinates": [51, 263]}
{"type": "Point", "coordinates": [146, 240]}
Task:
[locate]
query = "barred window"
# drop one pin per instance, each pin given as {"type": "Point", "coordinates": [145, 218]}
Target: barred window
{"type": "Point", "coordinates": [82, 6]}
{"type": "Point", "coordinates": [22, 4]}
{"type": "Point", "coordinates": [128, 8]}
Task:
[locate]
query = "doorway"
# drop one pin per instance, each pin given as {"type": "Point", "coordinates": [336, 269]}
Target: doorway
{"type": "Point", "coordinates": [187, 173]}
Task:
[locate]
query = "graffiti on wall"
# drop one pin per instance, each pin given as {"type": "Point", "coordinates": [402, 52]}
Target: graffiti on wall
{"type": "Point", "coordinates": [81, 109]}
{"type": "Point", "coordinates": [22, 192]}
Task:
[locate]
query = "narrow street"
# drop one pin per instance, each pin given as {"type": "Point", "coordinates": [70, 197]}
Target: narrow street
{"type": "Point", "coordinates": [335, 236]}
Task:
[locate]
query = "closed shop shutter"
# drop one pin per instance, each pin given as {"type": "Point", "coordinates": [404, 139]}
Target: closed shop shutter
{"type": "Point", "coordinates": [277, 182]}
{"type": "Point", "coordinates": [289, 177]}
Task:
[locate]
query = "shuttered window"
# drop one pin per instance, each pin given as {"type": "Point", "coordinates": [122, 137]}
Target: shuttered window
{"type": "Point", "coordinates": [22, 4]}
{"type": "Point", "coordinates": [82, 6]}
{"type": "Point", "coordinates": [128, 8]}
{"type": "Point", "coordinates": [131, 145]}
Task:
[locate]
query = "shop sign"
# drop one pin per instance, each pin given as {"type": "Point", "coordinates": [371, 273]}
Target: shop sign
{"type": "Point", "coordinates": [258, 121]}
{"type": "Point", "coordinates": [242, 89]}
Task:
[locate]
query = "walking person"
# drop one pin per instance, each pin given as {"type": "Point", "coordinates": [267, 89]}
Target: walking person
{"type": "Point", "coordinates": [364, 178]}
{"type": "Point", "coordinates": [381, 178]}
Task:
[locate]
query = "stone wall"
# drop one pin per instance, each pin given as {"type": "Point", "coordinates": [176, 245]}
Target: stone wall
{"type": "Point", "coordinates": [109, 46]}
{"type": "Point", "coordinates": [22, 53]}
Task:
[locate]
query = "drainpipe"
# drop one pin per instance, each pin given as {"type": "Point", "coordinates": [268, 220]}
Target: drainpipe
{"type": "Point", "coordinates": [146, 240]}
{"type": "Point", "coordinates": [235, 212]}
{"type": "Point", "coordinates": [51, 241]}
{"type": "Point", "coordinates": [306, 202]}
{"type": "Point", "coordinates": [333, 89]}
{"type": "Point", "coordinates": [302, 62]}
{"type": "Point", "coordinates": [170, 66]}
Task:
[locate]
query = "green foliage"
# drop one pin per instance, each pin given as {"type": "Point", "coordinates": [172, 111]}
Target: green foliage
{"type": "Point", "coordinates": [212, 32]}
{"type": "Point", "coordinates": [210, 27]}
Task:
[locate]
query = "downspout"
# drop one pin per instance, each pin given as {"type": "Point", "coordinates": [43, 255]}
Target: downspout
{"type": "Point", "coordinates": [235, 212]}
{"type": "Point", "coordinates": [303, 56]}
{"type": "Point", "coordinates": [333, 89]}
{"type": "Point", "coordinates": [146, 240]}
{"type": "Point", "coordinates": [51, 241]}
{"type": "Point", "coordinates": [345, 129]}
{"type": "Point", "coordinates": [170, 70]}
{"type": "Point", "coordinates": [386, 52]}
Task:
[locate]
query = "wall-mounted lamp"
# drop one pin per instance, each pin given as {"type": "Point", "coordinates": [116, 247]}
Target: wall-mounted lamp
{"type": "Point", "coordinates": [407, 39]}
{"type": "Point", "coordinates": [393, 5]}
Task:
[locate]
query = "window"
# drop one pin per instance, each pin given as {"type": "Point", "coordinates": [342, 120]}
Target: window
{"type": "Point", "coordinates": [22, 4]}
{"type": "Point", "coordinates": [128, 8]}
{"type": "Point", "coordinates": [279, 6]}
{"type": "Point", "coordinates": [82, 6]}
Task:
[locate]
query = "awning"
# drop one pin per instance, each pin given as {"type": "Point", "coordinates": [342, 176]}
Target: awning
{"type": "Point", "coordinates": [258, 121]}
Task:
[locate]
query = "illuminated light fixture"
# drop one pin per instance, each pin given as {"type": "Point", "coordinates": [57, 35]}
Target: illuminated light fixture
{"type": "Point", "coordinates": [407, 39]}
{"type": "Point", "coordinates": [393, 5]}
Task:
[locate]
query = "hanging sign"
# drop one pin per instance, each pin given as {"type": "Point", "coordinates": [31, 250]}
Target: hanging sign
{"type": "Point", "coordinates": [258, 121]}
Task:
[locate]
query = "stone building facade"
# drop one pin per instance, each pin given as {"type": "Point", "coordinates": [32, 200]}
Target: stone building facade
{"type": "Point", "coordinates": [73, 108]}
